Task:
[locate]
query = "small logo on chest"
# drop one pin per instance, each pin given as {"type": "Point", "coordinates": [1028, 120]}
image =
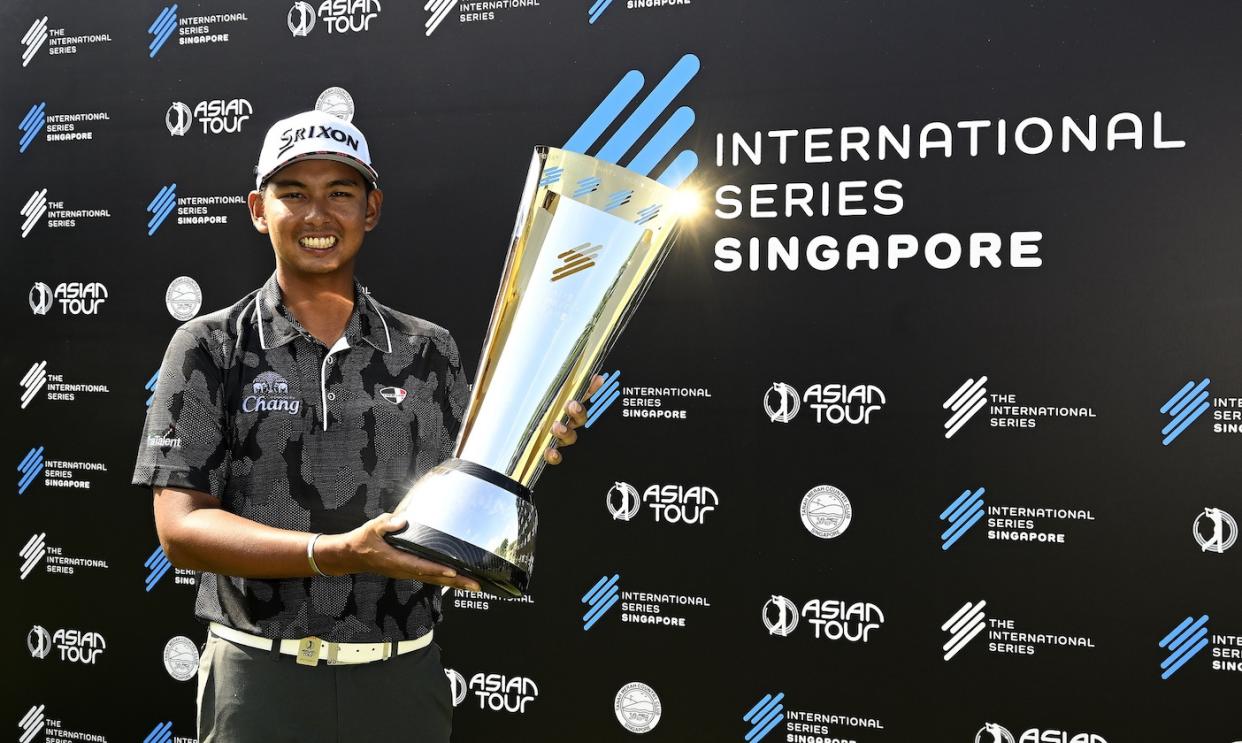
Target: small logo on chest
{"type": "Point", "coordinates": [393, 395]}
{"type": "Point", "coordinates": [270, 393]}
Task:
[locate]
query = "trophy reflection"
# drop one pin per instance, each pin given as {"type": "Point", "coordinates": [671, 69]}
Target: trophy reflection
{"type": "Point", "coordinates": [590, 236]}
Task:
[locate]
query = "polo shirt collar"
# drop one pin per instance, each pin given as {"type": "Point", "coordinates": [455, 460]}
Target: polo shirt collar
{"type": "Point", "coordinates": [277, 326]}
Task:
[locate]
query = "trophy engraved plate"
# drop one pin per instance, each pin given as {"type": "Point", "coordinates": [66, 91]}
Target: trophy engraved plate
{"type": "Point", "coordinates": [589, 238]}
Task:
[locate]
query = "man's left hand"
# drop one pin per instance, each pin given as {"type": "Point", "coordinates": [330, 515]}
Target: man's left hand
{"type": "Point", "coordinates": [565, 432]}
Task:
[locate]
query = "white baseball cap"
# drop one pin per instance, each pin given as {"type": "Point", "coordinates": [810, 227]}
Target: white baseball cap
{"type": "Point", "coordinates": [313, 135]}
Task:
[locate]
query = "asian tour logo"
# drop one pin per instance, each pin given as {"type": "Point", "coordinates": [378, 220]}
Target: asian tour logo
{"type": "Point", "coordinates": [216, 116]}
{"type": "Point", "coordinates": [600, 598]}
{"type": "Point", "coordinates": [831, 619]}
{"type": "Point", "coordinates": [765, 715]}
{"type": "Point", "coordinates": [963, 404]}
{"type": "Point", "coordinates": [603, 398]}
{"type": "Point", "coordinates": [1221, 531]}
{"type": "Point", "coordinates": [75, 297]}
{"type": "Point", "coordinates": [993, 733]}
{"type": "Point", "coordinates": [160, 29]}
{"type": "Point", "coordinates": [29, 469]}
{"type": "Point", "coordinates": [669, 504]}
{"type": "Point", "coordinates": [964, 626]}
{"type": "Point", "coordinates": [961, 515]}
{"type": "Point", "coordinates": [1185, 407]}
{"type": "Point", "coordinates": [781, 402]}
{"type": "Point", "coordinates": [780, 616]}
{"type": "Point", "coordinates": [1183, 643]}
{"type": "Point", "coordinates": [338, 16]}
{"type": "Point", "coordinates": [834, 404]}
{"type": "Point", "coordinates": [31, 124]}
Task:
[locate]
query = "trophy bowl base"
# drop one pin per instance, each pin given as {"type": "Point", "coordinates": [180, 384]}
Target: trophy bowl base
{"type": "Point", "coordinates": [473, 519]}
{"type": "Point", "coordinates": [494, 575]}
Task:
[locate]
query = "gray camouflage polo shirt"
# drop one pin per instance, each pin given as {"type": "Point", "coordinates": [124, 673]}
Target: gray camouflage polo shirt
{"type": "Point", "coordinates": [254, 410]}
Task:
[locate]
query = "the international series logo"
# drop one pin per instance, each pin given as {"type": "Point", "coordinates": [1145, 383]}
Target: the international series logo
{"type": "Point", "coordinates": [964, 626]}
{"type": "Point", "coordinates": [577, 258]}
{"type": "Point", "coordinates": [150, 386]}
{"type": "Point", "coordinates": [29, 468]}
{"type": "Point", "coordinates": [597, 9]}
{"type": "Point", "coordinates": [438, 10]}
{"type": "Point", "coordinates": [963, 404]}
{"type": "Point", "coordinates": [765, 715]}
{"type": "Point", "coordinates": [602, 597]}
{"type": "Point", "coordinates": [961, 515]}
{"type": "Point", "coordinates": [640, 121]}
{"type": "Point", "coordinates": [31, 722]}
{"type": "Point", "coordinates": [31, 124]}
{"type": "Point", "coordinates": [161, 733]}
{"type": "Point", "coordinates": [161, 28]}
{"type": "Point", "coordinates": [158, 564]}
{"type": "Point", "coordinates": [33, 39]}
{"type": "Point", "coordinates": [32, 382]}
{"type": "Point", "coordinates": [33, 210]}
{"type": "Point", "coordinates": [604, 397]}
{"type": "Point", "coordinates": [32, 554]}
{"type": "Point", "coordinates": [1183, 643]}
{"type": "Point", "coordinates": [160, 207]}
{"type": "Point", "coordinates": [1185, 407]}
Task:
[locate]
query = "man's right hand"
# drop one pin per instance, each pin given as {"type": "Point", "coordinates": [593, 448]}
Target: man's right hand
{"type": "Point", "coordinates": [364, 550]}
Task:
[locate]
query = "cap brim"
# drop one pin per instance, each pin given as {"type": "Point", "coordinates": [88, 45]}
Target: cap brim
{"type": "Point", "coordinates": [366, 170]}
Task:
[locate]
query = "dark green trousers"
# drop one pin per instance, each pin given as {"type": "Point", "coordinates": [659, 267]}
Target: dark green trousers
{"type": "Point", "coordinates": [247, 695]}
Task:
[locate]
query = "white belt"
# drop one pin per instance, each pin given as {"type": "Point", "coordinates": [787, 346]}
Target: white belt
{"type": "Point", "coordinates": [310, 650]}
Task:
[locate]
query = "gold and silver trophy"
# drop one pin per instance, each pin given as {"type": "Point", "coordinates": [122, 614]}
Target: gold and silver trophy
{"type": "Point", "coordinates": [589, 238]}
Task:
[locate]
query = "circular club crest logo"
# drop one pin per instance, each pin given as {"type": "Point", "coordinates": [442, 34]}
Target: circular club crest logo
{"type": "Point", "coordinates": [301, 19]}
{"type": "Point", "coordinates": [623, 501]}
{"type": "Point", "coordinates": [638, 707]}
{"type": "Point", "coordinates": [780, 616]}
{"type": "Point", "coordinates": [183, 298]}
{"type": "Point", "coordinates": [826, 512]}
{"type": "Point", "coordinates": [781, 402]}
{"type": "Point", "coordinates": [1215, 530]}
{"type": "Point", "coordinates": [38, 642]}
{"type": "Point", "coordinates": [338, 102]}
{"type": "Point", "coordinates": [181, 658]}
{"type": "Point", "coordinates": [993, 733]}
{"type": "Point", "coordinates": [178, 119]}
{"type": "Point", "coordinates": [40, 298]}
{"type": "Point", "coordinates": [457, 685]}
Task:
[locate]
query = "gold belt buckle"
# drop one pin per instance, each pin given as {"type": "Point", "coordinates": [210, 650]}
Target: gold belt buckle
{"type": "Point", "coordinates": [333, 651]}
{"type": "Point", "coordinates": [308, 651]}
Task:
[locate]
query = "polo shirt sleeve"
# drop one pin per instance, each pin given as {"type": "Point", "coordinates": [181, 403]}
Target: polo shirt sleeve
{"type": "Point", "coordinates": [457, 389]}
{"type": "Point", "coordinates": [183, 439]}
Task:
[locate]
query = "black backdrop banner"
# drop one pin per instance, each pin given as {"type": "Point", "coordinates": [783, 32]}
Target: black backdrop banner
{"type": "Point", "coordinates": [929, 429]}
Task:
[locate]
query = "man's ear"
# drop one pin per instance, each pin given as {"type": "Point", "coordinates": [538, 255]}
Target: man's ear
{"type": "Point", "coordinates": [375, 200]}
{"type": "Point", "coordinates": [254, 200]}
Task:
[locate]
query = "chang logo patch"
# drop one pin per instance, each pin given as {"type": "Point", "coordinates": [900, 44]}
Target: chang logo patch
{"type": "Point", "coordinates": [271, 393]}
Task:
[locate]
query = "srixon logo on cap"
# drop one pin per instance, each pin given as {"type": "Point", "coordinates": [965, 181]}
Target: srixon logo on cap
{"type": "Point", "coordinates": [290, 137]}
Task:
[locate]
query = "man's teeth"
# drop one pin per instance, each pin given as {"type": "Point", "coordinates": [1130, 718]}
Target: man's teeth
{"type": "Point", "coordinates": [319, 243]}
